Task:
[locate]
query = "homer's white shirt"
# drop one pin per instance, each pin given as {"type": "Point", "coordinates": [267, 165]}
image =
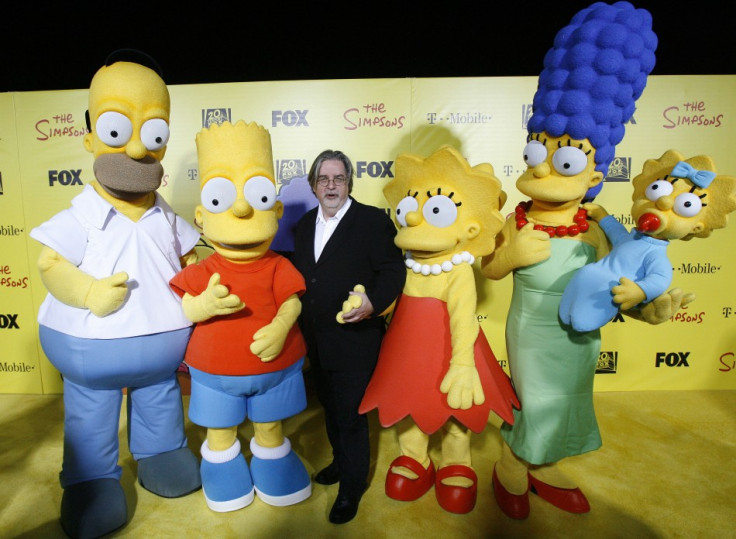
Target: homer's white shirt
{"type": "Point", "coordinates": [98, 239]}
{"type": "Point", "coordinates": [324, 228]}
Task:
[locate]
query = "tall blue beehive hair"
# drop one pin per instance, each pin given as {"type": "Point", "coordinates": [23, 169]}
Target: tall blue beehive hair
{"type": "Point", "coordinates": [595, 71]}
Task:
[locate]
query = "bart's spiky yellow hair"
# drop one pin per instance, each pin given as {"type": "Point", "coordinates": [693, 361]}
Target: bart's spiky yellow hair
{"type": "Point", "coordinates": [721, 191]}
{"type": "Point", "coordinates": [239, 145]}
{"type": "Point", "coordinates": [482, 196]}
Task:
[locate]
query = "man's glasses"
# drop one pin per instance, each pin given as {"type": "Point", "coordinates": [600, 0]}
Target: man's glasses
{"type": "Point", "coordinates": [324, 181]}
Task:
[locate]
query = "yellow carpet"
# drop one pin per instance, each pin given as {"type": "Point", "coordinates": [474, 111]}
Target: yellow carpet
{"type": "Point", "coordinates": [667, 468]}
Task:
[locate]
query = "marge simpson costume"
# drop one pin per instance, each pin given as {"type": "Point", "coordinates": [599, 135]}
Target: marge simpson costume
{"type": "Point", "coordinates": [593, 74]}
{"type": "Point", "coordinates": [246, 352]}
{"type": "Point", "coordinates": [674, 198]}
{"type": "Point", "coordinates": [436, 368]}
{"type": "Point", "coordinates": [110, 320]}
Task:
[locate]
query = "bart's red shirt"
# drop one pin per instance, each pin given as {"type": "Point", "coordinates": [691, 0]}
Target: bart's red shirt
{"type": "Point", "coordinates": [221, 345]}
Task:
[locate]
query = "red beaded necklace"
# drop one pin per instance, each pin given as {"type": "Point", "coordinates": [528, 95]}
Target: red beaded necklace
{"type": "Point", "coordinates": [579, 225]}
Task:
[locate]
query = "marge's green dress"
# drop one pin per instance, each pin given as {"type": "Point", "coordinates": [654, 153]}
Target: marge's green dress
{"type": "Point", "coordinates": [552, 366]}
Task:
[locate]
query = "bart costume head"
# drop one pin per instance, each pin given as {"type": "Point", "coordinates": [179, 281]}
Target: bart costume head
{"type": "Point", "coordinates": [239, 211]}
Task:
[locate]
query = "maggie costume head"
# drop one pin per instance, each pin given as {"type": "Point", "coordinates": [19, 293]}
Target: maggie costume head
{"type": "Point", "coordinates": [592, 77]}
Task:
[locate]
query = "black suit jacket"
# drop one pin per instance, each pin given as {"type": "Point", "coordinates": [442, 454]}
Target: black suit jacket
{"type": "Point", "coordinates": [361, 250]}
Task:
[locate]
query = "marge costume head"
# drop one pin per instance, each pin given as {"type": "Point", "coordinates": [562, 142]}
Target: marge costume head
{"type": "Point", "coordinates": [239, 211]}
{"type": "Point", "coordinates": [443, 205]}
{"type": "Point", "coordinates": [128, 119]}
{"type": "Point", "coordinates": [678, 198]}
{"type": "Point", "coordinates": [592, 77]}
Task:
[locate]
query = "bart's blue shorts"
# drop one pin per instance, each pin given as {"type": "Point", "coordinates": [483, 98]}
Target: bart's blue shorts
{"type": "Point", "coordinates": [220, 401]}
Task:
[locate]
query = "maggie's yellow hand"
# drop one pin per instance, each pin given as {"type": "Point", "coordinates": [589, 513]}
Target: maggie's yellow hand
{"type": "Point", "coordinates": [462, 386]}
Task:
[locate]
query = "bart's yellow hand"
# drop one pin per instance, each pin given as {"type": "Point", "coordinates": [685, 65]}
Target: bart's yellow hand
{"type": "Point", "coordinates": [354, 301]}
{"type": "Point", "coordinates": [628, 294]}
{"type": "Point", "coordinates": [216, 300]}
{"type": "Point", "coordinates": [269, 340]}
{"type": "Point", "coordinates": [462, 386]}
{"type": "Point", "coordinates": [106, 295]}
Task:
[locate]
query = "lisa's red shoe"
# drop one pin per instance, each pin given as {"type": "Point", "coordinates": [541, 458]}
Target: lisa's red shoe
{"type": "Point", "coordinates": [513, 505]}
{"type": "Point", "coordinates": [571, 500]}
{"type": "Point", "coordinates": [404, 489]}
{"type": "Point", "coordinates": [453, 498]}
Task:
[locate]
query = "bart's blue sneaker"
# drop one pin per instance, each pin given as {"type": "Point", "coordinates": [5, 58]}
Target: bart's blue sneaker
{"type": "Point", "coordinates": [279, 475]}
{"type": "Point", "coordinates": [226, 480]}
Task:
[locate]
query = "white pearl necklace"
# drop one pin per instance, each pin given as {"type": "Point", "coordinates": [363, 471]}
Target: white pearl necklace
{"type": "Point", "coordinates": [436, 269]}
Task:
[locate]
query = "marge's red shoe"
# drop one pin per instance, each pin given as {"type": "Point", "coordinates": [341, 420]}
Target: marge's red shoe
{"type": "Point", "coordinates": [567, 499]}
{"type": "Point", "coordinates": [453, 498]}
{"type": "Point", "coordinates": [513, 505]}
{"type": "Point", "coordinates": [404, 489]}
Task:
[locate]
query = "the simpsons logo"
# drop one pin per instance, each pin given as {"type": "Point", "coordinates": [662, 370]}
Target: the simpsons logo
{"type": "Point", "coordinates": [727, 361]}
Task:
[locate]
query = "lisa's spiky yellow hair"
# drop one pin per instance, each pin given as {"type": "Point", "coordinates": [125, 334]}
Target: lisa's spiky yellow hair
{"type": "Point", "coordinates": [721, 191]}
{"type": "Point", "coordinates": [478, 187]}
{"type": "Point", "coordinates": [240, 146]}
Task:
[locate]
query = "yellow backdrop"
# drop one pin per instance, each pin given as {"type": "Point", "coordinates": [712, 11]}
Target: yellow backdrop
{"type": "Point", "coordinates": [43, 165]}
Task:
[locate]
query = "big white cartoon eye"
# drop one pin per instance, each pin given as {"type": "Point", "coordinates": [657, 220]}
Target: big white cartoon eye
{"type": "Point", "coordinates": [658, 189]}
{"type": "Point", "coordinates": [440, 211]}
{"type": "Point", "coordinates": [569, 161]}
{"type": "Point", "coordinates": [155, 134]}
{"type": "Point", "coordinates": [687, 205]}
{"type": "Point", "coordinates": [405, 205]}
{"type": "Point", "coordinates": [114, 129]}
{"type": "Point", "coordinates": [534, 153]}
{"type": "Point", "coordinates": [260, 192]}
{"type": "Point", "coordinates": [218, 195]}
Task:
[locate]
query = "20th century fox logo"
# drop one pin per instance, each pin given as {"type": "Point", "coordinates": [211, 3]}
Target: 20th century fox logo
{"type": "Point", "coordinates": [607, 362]}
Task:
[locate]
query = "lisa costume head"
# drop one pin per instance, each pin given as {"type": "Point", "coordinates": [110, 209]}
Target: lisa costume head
{"type": "Point", "coordinates": [678, 198]}
{"type": "Point", "coordinates": [445, 206]}
{"type": "Point", "coordinates": [239, 211]}
{"type": "Point", "coordinates": [128, 123]}
{"type": "Point", "coordinates": [595, 71]}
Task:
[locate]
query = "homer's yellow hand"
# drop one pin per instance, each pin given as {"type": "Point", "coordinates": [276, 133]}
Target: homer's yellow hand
{"type": "Point", "coordinates": [628, 294]}
{"type": "Point", "coordinates": [356, 307]}
{"type": "Point", "coordinates": [462, 386]}
{"type": "Point", "coordinates": [269, 340]}
{"type": "Point", "coordinates": [216, 300]}
{"type": "Point", "coordinates": [106, 295]}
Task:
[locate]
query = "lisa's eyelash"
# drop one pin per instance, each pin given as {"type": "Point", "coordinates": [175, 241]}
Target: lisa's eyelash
{"type": "Point", "coordinates": [439, 192]}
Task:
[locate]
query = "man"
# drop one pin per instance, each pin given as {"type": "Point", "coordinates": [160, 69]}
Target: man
{"type": "Point", "coordinates": [110, 320]}
{"type": "Point", "coordinates": [338, 245]}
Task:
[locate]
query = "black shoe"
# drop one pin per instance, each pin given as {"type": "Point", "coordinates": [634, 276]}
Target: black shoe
{"type": "Point", "coordinates": [329, 475]}
{"type": "Point", "coordinates": [344, 509]}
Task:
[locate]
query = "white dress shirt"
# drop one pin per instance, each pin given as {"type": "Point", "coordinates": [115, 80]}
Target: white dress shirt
{"type": "Point", "coordinates": [324, 228]}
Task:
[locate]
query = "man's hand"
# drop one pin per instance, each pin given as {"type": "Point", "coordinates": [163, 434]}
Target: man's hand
{"type": "Point", "coordinates": [356, 308]}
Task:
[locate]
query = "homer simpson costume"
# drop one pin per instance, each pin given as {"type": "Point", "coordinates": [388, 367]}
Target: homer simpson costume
{"type": "Point", "coordinates": [246, 353]}
{"type": "Point", "coordinates": [674, 198]}
{"type": "Point", "coordinates": [110, 320]}
{"type": "Point", "coordinates": [436, 369]}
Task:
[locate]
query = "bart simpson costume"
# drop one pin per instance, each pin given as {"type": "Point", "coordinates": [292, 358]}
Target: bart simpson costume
{"type": "Point", "coordinates": [110, 320]}
{"type": "Point", "coordinates": [246, 352]}
{"type": "Point", "coordinates": [435, 365]}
